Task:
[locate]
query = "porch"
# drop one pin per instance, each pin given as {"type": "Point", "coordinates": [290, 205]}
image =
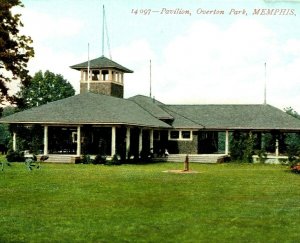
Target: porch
{"type": "Point", "coordinates": [196, 158]}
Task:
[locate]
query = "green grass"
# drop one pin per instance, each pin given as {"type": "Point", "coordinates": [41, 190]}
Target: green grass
{"type": "Point", "coordinates": [140, 203]}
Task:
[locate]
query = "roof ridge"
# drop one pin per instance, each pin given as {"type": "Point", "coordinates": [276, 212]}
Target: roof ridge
{"type": "Point", "coordinates": [146, 110]}
{"type": "Point", "coordinates": [186, 117]}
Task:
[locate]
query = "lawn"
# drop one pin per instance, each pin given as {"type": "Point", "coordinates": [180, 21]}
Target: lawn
{"type": "Point", "coordinates": [140, 203]}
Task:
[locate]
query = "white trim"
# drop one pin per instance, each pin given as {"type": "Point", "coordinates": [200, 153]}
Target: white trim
{"type": "Point", "coordinates": [14, 141]}
{"type": "Point", "coordinates": [78, 151]}
{"type": "Point", "coordinates": [101, 81]}
{"type": "Point", "coordinates": [45, 140]}
{"type": "Point", "coordinates": [180, 138]}
{"type": "Point", "coordinates": [113, 141]}
{"type": "Point", "coordinates": [227, 142]}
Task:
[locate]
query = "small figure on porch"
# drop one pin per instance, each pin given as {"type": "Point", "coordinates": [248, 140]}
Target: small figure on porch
{"type": "Point", "coordinates": [166, 153]}
{"type": "Point", "coordinates": [151, 153]}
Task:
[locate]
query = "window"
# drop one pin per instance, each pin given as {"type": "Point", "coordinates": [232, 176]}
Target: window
{"type": "Point", "coordinates": [180, 135]}
{"type": "Point", "coordinates": [104, 75]}
{"type": "Point", "coordinates": [174, 135]}
{"type": "Point", "coordinates": [186, 134]}
{"type": "Point", "coordinates": [156, 135]}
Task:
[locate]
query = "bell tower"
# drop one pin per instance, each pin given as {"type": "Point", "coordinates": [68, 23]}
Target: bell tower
{"type": "Point", "coordinates": [105, 77]}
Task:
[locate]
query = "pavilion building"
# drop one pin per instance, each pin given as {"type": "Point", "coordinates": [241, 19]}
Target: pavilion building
{"type": "Point", "coordinates": [100, 120]}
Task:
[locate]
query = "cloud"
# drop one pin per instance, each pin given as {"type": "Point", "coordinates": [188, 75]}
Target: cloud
{"type": "Point", "coordinates": [46, 31]}
{"type": "Point", "coordinates": [42, 26]}
{"type": "Point", "coordinates": [210, 64]}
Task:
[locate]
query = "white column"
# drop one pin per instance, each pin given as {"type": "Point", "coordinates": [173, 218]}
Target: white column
{"type": "Point", "coordinates": [127, 142]}
{"type": "Point", "coordinates": [110, 76]}
{"type": "Point", "coordinates": [78, 152]}
{"type": "Point", "coordinates": [14, 141]}
{"type": "Point", "coordinates": [227, 142]}
{"type": "Point", "coordinates": [140, 141]}
{"type": "Point", "coordinates": [45, 140]}
{"type": "Point", "coordinates": [151, 138]}
{"type": "Point", "coordinates": [81, 75]}
{"type": "Point", "coordinates": [277, 147]}
{"type": "Point", "coordinates": [113, 141]}
{"type": "Point", "coordinates": [121, 78]}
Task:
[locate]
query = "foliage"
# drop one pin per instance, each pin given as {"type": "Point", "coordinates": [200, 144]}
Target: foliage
{"type": "Point", "coordinates": [86, 159]}
{"type": "Point", "coordinates": [15, 156]}
{"type": "Point", "coordinates": [99, 159]}
{"type": "Point", "coordinates": [262, 155]}
{"type": "Point", "coordinates": [31, 163]}
{"type": "Point", "coordinates": [293, 153]}
{"type": "Point", "coordinates": [114, 161]}
{"type": "Point", "coordinates": [5, 135]}
{"type": "Point", "coordinates": [3, 163]}
{"type": "Point", "coordinates": [45, 87]}
{"type": "Point", "coordinates": [292, 112]}
{"type": "Point", "coordinates": [15, 50]}
{"type": "Point", "coordinates": [28, 138]}
{"type": "Point", "coordinates": [242, 146]}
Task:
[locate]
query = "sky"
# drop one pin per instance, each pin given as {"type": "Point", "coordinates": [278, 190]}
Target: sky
{"type": "Point", "coordinates": [198, 55]}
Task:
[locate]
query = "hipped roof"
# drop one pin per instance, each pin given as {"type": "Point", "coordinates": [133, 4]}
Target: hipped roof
{"type": "Point", "coordinates": [100, 63]}
{"type": "Point", "coordinates": [222, 117]}
{"type": "Point", "coordinates": [88, 108]}
{"type": "Point", "coordinates": [236, 117]}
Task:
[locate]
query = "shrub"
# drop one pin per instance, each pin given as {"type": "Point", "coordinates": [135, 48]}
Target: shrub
{"type": "Point", "coordinates": [15, 156]}
{"type": "Point", "coordinates": [242, 145]}
{"type": "Point", "coordinates": [99, 159]}
{"type": "Point", "coordinates": [293, 152]}
{"type": "Point", "coordinates": [114, 161]}
{"type": "Point", "coordinates": [86, 159]}
{"type": "Point", "coordinates": [262, 155]}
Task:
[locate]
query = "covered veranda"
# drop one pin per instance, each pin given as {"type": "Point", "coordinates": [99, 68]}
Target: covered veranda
{"type": "Point", "coordinates": [73, 141]}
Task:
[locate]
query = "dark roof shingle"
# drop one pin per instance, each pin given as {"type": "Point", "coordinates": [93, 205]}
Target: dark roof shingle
{"type": "Point", "coordinates": [260, 117]}
{"type": "Point", "coordinates": [102, 62]}
{"type": "Point", "coordinates": [88, 108]}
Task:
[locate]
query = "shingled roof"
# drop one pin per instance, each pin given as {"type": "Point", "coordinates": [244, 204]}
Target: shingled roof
{"type": "Point", "coordinates": [102, 62]}
{"type": "Point", "coordinates": [88, 108]}
{"type": "Point", "coordinates": [152, 106]}
{"type": "Point", "coordinates": [222, 117]}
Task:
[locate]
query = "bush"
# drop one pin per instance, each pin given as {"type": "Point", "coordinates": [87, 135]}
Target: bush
{"type": "Point", "coordinates": [293, 152]}
{"type": "Point", "coordinates": [114, 161]}
{"type": "Point", "coordinates": [242, 147]}
{"type": "Point", "coordinates": [99, 160]}
{"type": "Point", "coordinates": [86, 159]}
{"type": "Point", "coordinates": [262, 155]}
{"type": "Point", "coordinates": [15, 156]}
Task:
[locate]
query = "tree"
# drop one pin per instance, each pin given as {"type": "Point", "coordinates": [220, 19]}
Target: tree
{"type": "Point", "coordinates": [292, 112]}
{"type": "Point", "coordinates": [15, 50]}
{"type": "Point", "coordinates": [292, 139]}
{"type": "Point", "coordinates": [45, 87]}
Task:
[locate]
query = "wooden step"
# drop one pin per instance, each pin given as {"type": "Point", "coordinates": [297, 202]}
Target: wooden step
{"type": "Point", "coordinates": [195, 158]}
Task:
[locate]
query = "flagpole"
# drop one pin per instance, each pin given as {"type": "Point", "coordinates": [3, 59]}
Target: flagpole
{"type": "Point", "coordinates": [103, 24]}
{"type": "Point", "coordinates": [265, 88]}
{"type": "Point", "coordinates": [150, 80]}
{"type": "Point", "coordinates": [88, 79]}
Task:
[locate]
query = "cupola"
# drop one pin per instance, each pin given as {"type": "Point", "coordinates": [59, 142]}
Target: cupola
{"type": "Point", "coordinates": [105, 77]}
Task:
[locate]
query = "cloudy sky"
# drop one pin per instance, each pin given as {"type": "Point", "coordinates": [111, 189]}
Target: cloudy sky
{"type": "Point", "coordinates": [198, 57]}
